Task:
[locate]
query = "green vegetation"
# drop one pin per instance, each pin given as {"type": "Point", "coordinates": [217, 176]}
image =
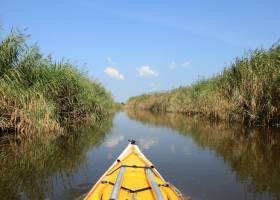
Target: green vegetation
{"type": "Point", "coordinates": [40, 95]}
{"type": "Point", "coordinates": [247, 91]}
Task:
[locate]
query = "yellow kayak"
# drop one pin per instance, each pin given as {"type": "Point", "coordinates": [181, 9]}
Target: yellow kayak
{"type": "Point", "coordinates": [132, 176]}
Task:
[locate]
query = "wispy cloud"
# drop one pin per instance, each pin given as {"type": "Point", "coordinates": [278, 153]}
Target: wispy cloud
{"type": "Point", "coordinates": [114, 73]}
{"type": "Point", "coordinates": [109, 60]}
{"type": "Point", "coordinates": [221, 34]}
{"type": "Point", "coordinates": [172, 65]}
{"type": "Point", "coordinates": [186, 64]}
{"type": "Point", "coordinates": [146, 71]}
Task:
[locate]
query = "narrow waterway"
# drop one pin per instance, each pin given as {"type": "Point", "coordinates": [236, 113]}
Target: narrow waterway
{"type": "Point", "coordinates": [202, 159]}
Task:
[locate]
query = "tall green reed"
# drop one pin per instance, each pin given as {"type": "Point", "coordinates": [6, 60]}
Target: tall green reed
{"type": "Point", "coordinates": [40, 95]}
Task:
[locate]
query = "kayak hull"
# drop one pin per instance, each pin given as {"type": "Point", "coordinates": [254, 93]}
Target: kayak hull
{"type": "Point", "coordinates": [132, 176]}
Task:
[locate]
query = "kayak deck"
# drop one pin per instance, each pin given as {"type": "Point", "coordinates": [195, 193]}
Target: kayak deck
{"type": "Point", "coordinates": [132, 176]}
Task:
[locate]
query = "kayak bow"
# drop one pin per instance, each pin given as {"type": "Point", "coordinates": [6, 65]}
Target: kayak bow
{"type": "Point", "coordinates": [132, 176]}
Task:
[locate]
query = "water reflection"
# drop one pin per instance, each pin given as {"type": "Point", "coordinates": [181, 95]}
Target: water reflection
{"type": "Point", "coordinates": [203, 159]}
{"type": "Point", "coordinates": [112, 142]}
{"type": "Point", "coordinates": [37, 170]}
{"type": "Point", "coordinates": [253, 155]}
{"type": "Point", "coordinates": [147, 144]}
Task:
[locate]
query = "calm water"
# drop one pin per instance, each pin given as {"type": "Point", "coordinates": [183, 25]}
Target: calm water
{"type": "Point", "coordinates": [203, 159]}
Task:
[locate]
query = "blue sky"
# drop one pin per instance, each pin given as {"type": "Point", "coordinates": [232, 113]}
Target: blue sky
{"type": "Point", "coordinates": [134, 47]}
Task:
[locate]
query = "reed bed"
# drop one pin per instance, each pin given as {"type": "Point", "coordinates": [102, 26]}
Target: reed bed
{"type": "Point", "coordinates": [247, 91]}
{"type": "Point", "coordinates": [40, 95]}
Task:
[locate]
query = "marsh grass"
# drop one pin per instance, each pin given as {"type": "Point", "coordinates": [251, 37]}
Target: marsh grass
{"type": "Point", "coordinates": [247, 91]}
{"type": "Point", "coordinates": [40, 95]}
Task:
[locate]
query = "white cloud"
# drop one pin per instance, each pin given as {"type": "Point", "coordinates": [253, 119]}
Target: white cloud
{"type": "Point", "coordinates": [172, 65]}
{"type": "Point", "coordinates": [146, 70]}
{"type": "Point", "coordinates": [114, 73]}
{"type": "Point", "coordinates": [109, 60]}
{"type": "Point", "coordinates": [186, 64]}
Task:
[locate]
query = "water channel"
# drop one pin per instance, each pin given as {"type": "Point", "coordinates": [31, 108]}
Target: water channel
{"type": "Point", "coordinates": [203, 159]}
